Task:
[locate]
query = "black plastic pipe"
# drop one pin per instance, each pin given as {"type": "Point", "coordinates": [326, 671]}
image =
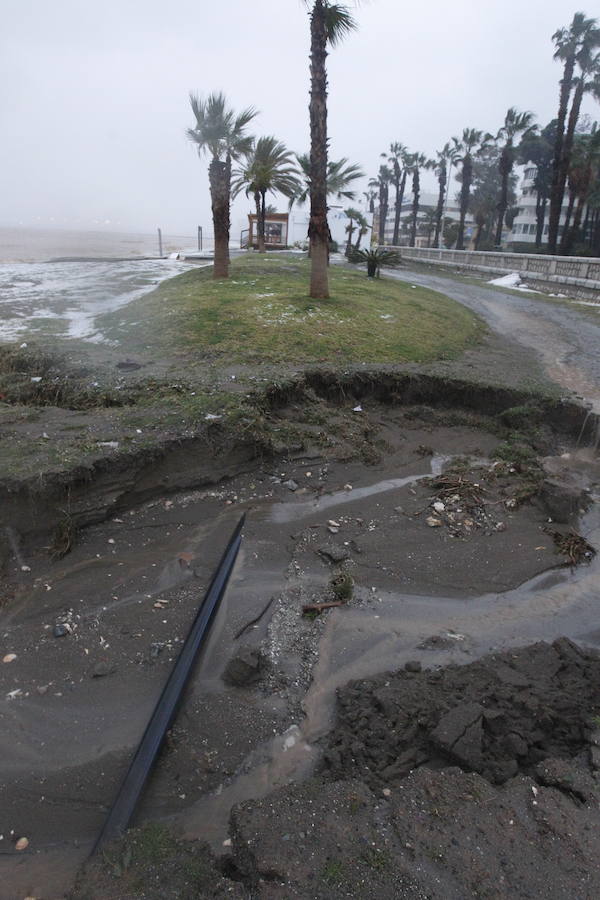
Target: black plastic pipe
{"type": "Point", "coordinates": [166, 709]}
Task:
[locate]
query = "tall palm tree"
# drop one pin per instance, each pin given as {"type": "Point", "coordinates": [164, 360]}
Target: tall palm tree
{"type": "Point", "coordinates": [515, 124]}
{"type": "Point", "coordinates": [222, 134]}
{"type": "Point", "coordinates": [587, 81]}
{"type": "Point", "coordinates": [329, 24]}
{"type": "Point", "coordinates": [416, 162]}
{"type": "Point", "coordinates": [383, 179]}
{"type": "Point", "coordinates": [445, 159]}
{"type": "Point", "coordinates": [340, 175]}
{"type": "Point", "coordinates": [269, 168]}
{"type": "Point", "coordinates": [466, 147]}
{"type": "Point", "coordinates": [396, 158]}
{"type": "Point", "coordinates": [584, 172]}
{"type": "Point", "coordinates": [568, 43]}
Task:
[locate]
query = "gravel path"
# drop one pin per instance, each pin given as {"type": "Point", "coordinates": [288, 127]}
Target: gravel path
{"type": "Point", "coordinates": [565, 341]}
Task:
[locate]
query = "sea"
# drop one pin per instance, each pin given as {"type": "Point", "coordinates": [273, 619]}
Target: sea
{"type": "Point", "coordinates": [54, 283]}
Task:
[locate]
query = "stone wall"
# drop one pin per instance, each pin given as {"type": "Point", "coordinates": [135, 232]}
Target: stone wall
{"type": "Point", "coordinates": [575, 276]}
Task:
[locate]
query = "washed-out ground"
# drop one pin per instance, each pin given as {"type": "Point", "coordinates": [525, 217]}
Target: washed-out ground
{"type": "Point", "coordinates": [433, 584]}
{"type": "Point", "coordinates": [297, 767]}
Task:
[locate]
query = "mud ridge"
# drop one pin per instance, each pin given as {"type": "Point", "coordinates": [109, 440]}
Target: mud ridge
{"type": "Point", "coordinates": [88, 493]}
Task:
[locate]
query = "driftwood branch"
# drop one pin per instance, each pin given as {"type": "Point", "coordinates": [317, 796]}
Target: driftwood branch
{"type": "Point", "coordinates": [319, 607]}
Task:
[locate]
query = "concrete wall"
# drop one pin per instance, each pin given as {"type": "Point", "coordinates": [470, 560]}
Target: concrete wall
{"type": "Point", "coordinates": [575, 276]}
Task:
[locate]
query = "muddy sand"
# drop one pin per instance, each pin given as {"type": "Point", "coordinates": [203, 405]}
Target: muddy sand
{"type": "Point", "coordinates": [450, 777]}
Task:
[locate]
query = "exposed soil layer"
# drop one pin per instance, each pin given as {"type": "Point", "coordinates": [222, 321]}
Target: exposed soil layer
{"type": "Point", "coordinates": [499, 716]}
{"type": "Point", "coordinates": [430, 833]}
{"type": "Point", "coordinates": [119, 465]}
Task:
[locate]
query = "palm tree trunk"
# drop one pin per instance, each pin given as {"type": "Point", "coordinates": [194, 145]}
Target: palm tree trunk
{"type": "Point", "coordinates": [557, 188]}
{"type": "Point", "coordinates": [478, 234]}
{"type": "Point", "coordinates": [595, 243]}
{"type": "Point", "coordinates": [263, 216]}
{"type": "Point", "coordinates": [465, 192]}
{"type": "Point", "coordinates": [568, 214]}
{"type": "Point", "coordinates": [440, 204]}
{"type": "Point", "coordinates": [505, 167]}
{"type": "Point", "coordinates": [398, 201]}
{"type": "Point", "coordinates": [575, 227]}
{"type": "Point", "coordinates": [567, 147]}
{"type": "Point", "coordinates": [318, 231]}
{"type": "Point", "coordinates": [415, 206]}
{"type": "Point", "coordinates": [260, 237]}
{"type": "Point", "coordinates": [349, 241]}
{"type": "Point", "coordinates": [540, 217]}
{"type": "Point", "coordinates": [383, 209]}
{"type": "Point", "coordinates": [219, 195]}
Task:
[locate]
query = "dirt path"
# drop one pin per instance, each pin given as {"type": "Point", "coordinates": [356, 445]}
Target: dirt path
{"type": "Point", "coordinates": [565, 340]}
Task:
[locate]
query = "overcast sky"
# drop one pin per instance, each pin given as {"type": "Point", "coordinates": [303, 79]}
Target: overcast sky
{"type": "Point", "coordinates": [94, 99]}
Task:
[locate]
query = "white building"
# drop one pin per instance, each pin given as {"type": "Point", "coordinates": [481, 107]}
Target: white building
{"type": "Point", "coordinates": [337, 219]}
{"type": "Point", "coordinates": [427, 201]}
{"type": "Point", "coordinates": [525, 223]}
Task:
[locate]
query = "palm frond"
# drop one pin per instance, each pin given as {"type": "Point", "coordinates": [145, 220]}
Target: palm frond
{"type": "Point", "coordinates": [339, 22]}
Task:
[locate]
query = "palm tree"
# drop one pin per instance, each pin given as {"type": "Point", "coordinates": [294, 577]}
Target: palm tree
{"type": "Point", "coordinates": [370, 196]}
{"type": "Point", "coordinates": [353, 215]}
{"type": "Point", "coordinates": [465, 151]}
{"type": "Point", "coordinates": [269, 168]}
{"type": "Point", "coordinates": [363, 227]}
{"type": "Point", "coordinates": [515, 123]}
{"type": "Point", "coordinates": [329, 24]}
{"type": "Point", "coordinates": [587, 81]}
{"type": "Point", "coordinates": [584, 171]}
{"type": "Point", "coordinates": [222, 134]}
{"type": "Point", "coordinates": [383, 182]}
{"type": "Point", "coordinates": [443, 167]}
{"type": "Point", "coordinates": [416, 162]}
{"type": "Point", "coordinates": [396, 158]}
{"type": "Point", "coordinates": [340, 175]}
{"type": "Point", "coordinates": [568, 42]}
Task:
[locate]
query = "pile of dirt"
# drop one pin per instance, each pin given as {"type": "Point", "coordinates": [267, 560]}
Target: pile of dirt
{"type": "Point", "coordinates": [500, 716]}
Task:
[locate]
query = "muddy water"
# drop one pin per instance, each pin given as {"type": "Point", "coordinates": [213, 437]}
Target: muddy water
{"type": "Point", "coordinates": [73, 708]}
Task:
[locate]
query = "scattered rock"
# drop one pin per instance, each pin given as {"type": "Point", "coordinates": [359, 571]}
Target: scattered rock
{"type": "Point", "coordinates": [244, 668]}
{"type": "Point", "coordinates": [291, 485]}
{"type": "Point", "coordinates": [413, 665]}
{"type": "Point", "coordinates": [103, 668]}
{"type": "Point", "coordinates": [62, 629]}
{"type": "Point", "coordinates": [433, 521]}
{"type": "Point", "coordinates": [10, 657]}
{"type": "Point", "coordinates": [334, 553]}
{"type": "Point", "coordinates": [22, 844]}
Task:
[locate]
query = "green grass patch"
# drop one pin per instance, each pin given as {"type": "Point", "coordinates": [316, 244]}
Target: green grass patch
{"type": "Point", "coordinates": [262, 314]}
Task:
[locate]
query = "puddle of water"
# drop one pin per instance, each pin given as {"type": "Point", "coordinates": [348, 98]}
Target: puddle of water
{"type": "Point", "coordinates": [289, 512]}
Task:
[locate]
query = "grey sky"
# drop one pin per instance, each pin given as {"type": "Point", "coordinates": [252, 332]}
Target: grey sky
{"type": "Point", "coordinates": [95, 105]}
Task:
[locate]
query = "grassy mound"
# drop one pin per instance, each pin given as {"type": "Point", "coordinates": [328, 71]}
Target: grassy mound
{"type": "Point", "coordinates": [263, 314]}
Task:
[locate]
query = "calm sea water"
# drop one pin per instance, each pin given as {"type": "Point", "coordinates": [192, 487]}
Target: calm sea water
{"type": "Point", "coordinates": [42, 244]}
